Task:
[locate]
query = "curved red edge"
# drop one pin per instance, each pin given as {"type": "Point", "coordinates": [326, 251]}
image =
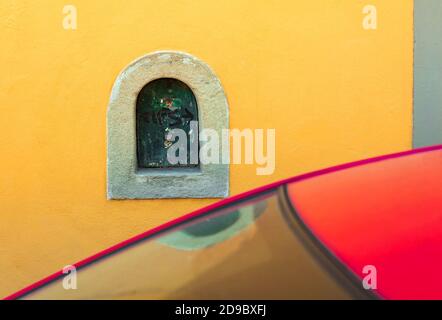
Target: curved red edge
{"type": "Point", "coordinates": [213, 206]}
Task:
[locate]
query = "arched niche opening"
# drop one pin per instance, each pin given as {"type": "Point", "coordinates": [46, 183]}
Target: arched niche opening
{"type": "Point", "coordinates": [135, 158]}
{"type": "Point", "coordinates": [163, 106]}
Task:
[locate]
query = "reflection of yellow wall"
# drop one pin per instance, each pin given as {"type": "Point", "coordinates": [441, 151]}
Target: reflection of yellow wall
{"type": "Point", "coordinates": [333, 91]}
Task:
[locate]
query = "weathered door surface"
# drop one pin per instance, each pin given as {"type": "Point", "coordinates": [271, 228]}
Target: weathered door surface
{"type": "Point", "coordinates": [162, 105]}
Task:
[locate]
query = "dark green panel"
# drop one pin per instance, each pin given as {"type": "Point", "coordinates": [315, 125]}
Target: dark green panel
{"type": "Point", "coordinates": [162, 105]}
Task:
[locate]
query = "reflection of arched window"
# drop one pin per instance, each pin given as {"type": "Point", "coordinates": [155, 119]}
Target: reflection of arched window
{"type": "Point", "coordinates": [163, 105]}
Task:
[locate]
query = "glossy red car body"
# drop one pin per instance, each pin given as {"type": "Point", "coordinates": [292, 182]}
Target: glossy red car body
{"type": "Point", "coordinates": [384, 212]}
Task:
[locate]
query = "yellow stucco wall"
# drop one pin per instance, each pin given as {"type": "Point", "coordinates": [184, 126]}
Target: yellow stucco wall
{"type": "Point", "coordinates": [333, 91]}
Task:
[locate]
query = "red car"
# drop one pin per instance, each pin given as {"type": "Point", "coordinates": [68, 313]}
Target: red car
{"type": "Point", "coordinates": [368, 229]}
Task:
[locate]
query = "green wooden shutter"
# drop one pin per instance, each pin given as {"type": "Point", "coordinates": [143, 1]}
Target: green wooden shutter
{"type": "Point", "coordinates": [162, 105]}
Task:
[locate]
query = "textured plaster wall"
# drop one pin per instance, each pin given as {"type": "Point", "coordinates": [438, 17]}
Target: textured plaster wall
{"type": "Point", "coordinates": [333, 91]}
{"type": "Point", "coordinates": [427, 73]}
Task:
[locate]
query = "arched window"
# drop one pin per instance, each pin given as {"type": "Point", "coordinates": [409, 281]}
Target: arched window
{"type": "Point", "coordinates": [162, 92]}
{"type": "Point", "coordinates": [163, 105]}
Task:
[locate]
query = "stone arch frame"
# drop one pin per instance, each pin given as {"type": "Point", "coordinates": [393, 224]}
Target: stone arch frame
{"type": "Point", "coordinates": [124, 179]}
